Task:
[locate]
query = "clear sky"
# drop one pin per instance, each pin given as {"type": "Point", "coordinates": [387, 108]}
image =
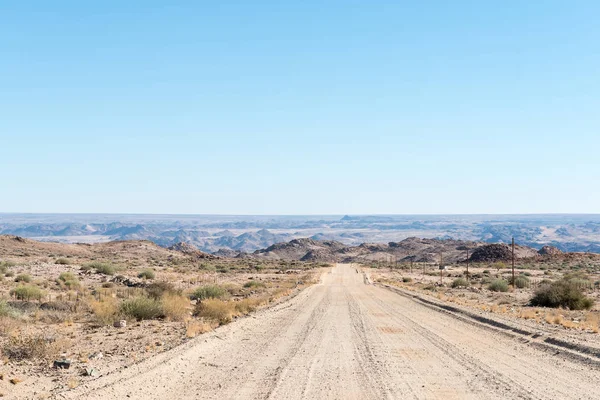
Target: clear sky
{"type": "Point", "coordinates": [300, 107]}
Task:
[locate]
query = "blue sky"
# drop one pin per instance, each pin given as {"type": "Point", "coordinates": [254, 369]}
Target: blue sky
{"type": "Point", "coordinates": [314, 107]}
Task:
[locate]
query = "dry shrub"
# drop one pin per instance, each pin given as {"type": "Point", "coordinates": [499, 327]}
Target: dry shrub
{"type": "Point", "coordinates": [105, 311]}
{"type": "Point", "coordinates": [175, 307]}
{"type": "Point", "coordinates": [157, 290]}
{"type": "Point", "coordinates": [216, 310]}
{"type": "Point", "coordinates": [23, 347]}
{"type": "Point", "coordinates": [592, 321]}
{"type": "Point", "coordinates": [194, 328]}
{"type": "Point", "coordinates": [248, 305]}
{"type": "Point", "coordinates": [528, 314]}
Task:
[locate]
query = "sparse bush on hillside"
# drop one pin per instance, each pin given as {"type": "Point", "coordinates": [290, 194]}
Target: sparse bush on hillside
{"type": "Point", "coordinates": [460, 282]}
{"type": "Point", "coordinates": [254, 284]}
{"type": "Point", "coordinates": [63, 261]}
{"type": "Point", "coordinates": [23, 278]}
{"type": "Point", "coordinates": [156, 290]}
{"type": "Point", "coordinates": [101, 268]}
{"type": "Point", "coordinates": [406, 279]}
{"type": "Point", "coordinates": [498, 285]}
{"type": "Point", "coordinates": [68, 280]}
{"type": "Point", "coordinates": [142, 308]}
{"type": "Point", "coordinates": [147, 274]}
{"type": "Point", "coordinates": [27, 292]}
{"type": "Point", "coordinates": [561, 293]}
{"type": "Point", "coordinates": [7, 311]}
{"type": "Point", "coordinates": [209, 292]}
{"type": "Point", "coordinates": [5, 265]}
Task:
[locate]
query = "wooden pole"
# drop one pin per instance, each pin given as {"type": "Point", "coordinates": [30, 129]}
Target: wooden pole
{"type": "Point", "coordinates": [441, 269]}
{"type": "Point", "coordinates": [467, 265]}
{"type": "Point", "coordinates": [513, 262]}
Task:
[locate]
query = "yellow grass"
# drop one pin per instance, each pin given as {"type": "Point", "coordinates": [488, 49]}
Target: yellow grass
{"type": "Point", "coordinates": [106, 310]}
{"type": "Point", "coordinates": [176, 307]}
{"type": "Point", "coordinates": [194, 328]}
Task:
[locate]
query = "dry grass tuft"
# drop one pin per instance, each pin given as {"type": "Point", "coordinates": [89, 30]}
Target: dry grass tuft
{"type": "Point", "coordinates": [176, 307]}
{"type": "Point", "coordinates": [216, 310]}
{"type": "Point", "coordinates": [194, 328]}
{"type": "Point", "coordinates": [105, 311]}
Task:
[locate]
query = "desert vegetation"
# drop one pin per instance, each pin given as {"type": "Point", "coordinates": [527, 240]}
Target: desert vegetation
{"type": "Point", "coordinates": [121, 301]}
{"type": "Point", "coordinates": [561, 291]}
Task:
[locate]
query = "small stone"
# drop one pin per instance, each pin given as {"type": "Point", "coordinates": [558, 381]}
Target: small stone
{"type": "Point", "coordinates": [62, 364]}
{"type": "Point", "coordinates": [120, 324]}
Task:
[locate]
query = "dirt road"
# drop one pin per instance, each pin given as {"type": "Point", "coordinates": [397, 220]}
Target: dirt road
{"type": "Point", "coordinates": [344, 339]}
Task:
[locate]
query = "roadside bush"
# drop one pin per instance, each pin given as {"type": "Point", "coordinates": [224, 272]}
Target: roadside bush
{"type": "Point", "coordinates": [142, 308]}
{"type": "Point", "coordinates": [254, 284]}
{"type": "Point", "coordinates": [460, 282]}
{"type": "Point", "coordinates": [248, 305]}
{"type": "Point", "coordinates": [23, 278]}
{"type": "Point", "coordinates": [215, 310]}
{"type": "Point", "coordinates": [406, 279]}
{"type": "Point", "coordinates": [27, 292]}
{"type": "Point", "coordinates": [209, 292]}
{"type": "Point", "coordinates": [63, 261]}
{"type": "Point", "coordinates": [561, 294]}
{"type": "Point", "coordinates": [147, 274]}
{"type": "Point", "coordinates": [176, 307]}
{"type": "Point", "coordinates": [498, 285]}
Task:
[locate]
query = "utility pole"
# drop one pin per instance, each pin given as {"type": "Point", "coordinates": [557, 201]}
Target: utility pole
{"type": "Point", "coordinates": [513, 262]}
{"type": "Point", "coordinates": [411, 265]}
{"type": "Point", "coordinates": [467, 264]}
{"type": "Point", "coordinates": [441, 269]}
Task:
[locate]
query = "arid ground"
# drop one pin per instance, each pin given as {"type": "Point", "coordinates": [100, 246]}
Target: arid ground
{"type": "Point", "coordinates": [344, 338]}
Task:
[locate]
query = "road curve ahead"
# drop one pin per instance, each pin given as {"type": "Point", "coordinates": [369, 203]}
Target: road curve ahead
{"type": "Point", "coordinates": [344, 339]}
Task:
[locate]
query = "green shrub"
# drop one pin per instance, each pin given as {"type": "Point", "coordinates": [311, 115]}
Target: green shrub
{"type": "Point", "coordinates": [498, 285]}
{"type": "Point", "coordinates": [209, 292]}
{"type": "Point", "coordinates": [521, 282]}
{"type": "Point", "coordinates": [561, 294]}
{"type": "Point", "coordinates": [156, 290]}
{"type": "Point", "coordinates": [27, 292]}
{"type": "Point", "coordinates": [101, 268]}
{"type": "Point", "coordinates": [63, 261]}
{"type": "Point", "coordinates": [460, 282]}
{"type": "Point", "coordinates": [23, 278]}
{"type": "Point", "coordinates": [67, 279]}
{"type": "Point", "coordinates": [254, 284]}
{"type": "Point", "coordinates": [6, 310]}
{"type": "Point", "coordinates": [142, 308]}
{"type": "Point", "coordinates": [147, 274]}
